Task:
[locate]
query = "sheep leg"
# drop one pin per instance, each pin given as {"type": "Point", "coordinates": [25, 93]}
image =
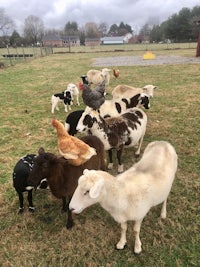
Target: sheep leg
{"type": "Point", "coordinates": [21, 202]}
{"type": "Point", "coordinates": [164, 210]}
{"type": "Point", "coordinates": [66, 110]}
{"type": "Point", "coordinates": [54, 106]}
{"type": "Point", "coordinates": [138, 244]}
{"type": "Point", "coordinates": [77, 101]}
{"type": "Point", "coordinates": [137, 153]}
{"type": "Point", "coordinates": [119, 156]}
{"type": "Point", "coordinates": [122, 241]}
{"type": "Point", "coordinates": [64, 205]}
{"type": "Point", "coordinates": [110, 165]}
{"type": "Point", "coordinates": [30, 201]}
{"type": "Point", "coordinates": [69, 219]}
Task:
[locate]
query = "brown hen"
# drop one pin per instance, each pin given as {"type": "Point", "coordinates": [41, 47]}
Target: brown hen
{"type": "Point", "coordinates": [116, 73]}
{"type": "Point", "coordinates": [73, 149]}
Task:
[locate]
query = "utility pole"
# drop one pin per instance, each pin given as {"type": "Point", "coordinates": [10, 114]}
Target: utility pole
{"type": "Point", "coordinates": [198, 41]}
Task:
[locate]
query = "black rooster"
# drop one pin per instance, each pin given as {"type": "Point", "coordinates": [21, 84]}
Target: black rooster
{"type": "Point", "coordinates": [93, 98]}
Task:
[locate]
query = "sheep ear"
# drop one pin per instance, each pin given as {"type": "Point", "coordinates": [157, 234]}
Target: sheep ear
{"type": "Point", "coordinates": [144, 89]}
{"type": "Point", "coordinates": [85, 171]}
{"type": "Point", "coordinates": [96, 189]}
{"type": "Point", "coordinates": [41, 150]}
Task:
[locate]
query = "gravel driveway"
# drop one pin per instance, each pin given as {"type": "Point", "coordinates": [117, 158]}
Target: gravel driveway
{"type": "Point", "coordinates": [139, 61]}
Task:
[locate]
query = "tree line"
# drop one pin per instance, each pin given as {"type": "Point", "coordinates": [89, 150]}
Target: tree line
{"type": "Point", "coordinates": [180, 27]}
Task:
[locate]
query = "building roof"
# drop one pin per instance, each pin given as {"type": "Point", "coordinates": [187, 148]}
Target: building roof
{"type": "Point", "coordinates": [60, 38]}
{"type": "Point", "coordinates": [51, 38]}
{"type": "Point", "coordinates": [112, 38]}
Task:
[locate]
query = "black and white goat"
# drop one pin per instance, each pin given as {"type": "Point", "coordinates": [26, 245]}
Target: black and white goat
{"type": "Point", "coordinates": [20, 177]}
{"type": "Point", "coordinates": [126, 130]}
{"type": "Point", "coordinates": [64, 97]}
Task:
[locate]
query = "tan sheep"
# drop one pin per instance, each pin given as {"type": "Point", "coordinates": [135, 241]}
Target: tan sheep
{"type": "Point", "coordinates": [127, 91]}
{"type": "Point", "coordinates": [97, 77]}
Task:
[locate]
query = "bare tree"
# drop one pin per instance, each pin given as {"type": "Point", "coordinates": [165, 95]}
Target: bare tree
{"type": "Point", "coordinates": [103, 28]}
{"type": "Point", "coordinates": [33, 29]}
{"type": "Point", "coordinates": [91, 30]}
{"type": "Point", "coordinates": [6, 24]}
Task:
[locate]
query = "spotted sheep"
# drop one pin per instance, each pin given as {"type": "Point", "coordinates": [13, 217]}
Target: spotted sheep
{"type": "Point", "coordinates": [20, 175]}
{"type": "Point", "coordinates": [115, 107]}
{"type": "Point", "coordinates": [126, 130]}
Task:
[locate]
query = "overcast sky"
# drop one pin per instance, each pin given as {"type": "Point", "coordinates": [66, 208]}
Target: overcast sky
{"type": "Point", "coordinates": [56, 13]}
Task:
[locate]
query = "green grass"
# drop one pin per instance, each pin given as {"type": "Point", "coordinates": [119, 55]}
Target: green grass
{"type": "Point", "coordinates": [41, 239]}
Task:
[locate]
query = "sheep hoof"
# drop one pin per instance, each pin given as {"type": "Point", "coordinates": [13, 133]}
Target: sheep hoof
{"type": "Point", "coordinates": [120, 168]}
{"type": "Point", "coordinates": [137, 253]}
{"type": "Point", "coordinates": [120, 245]}
{"type": "Point", "coordinates": [21, 210]}
{"type": "Point", "coordinates": [69, 225]}
{"type": "Point", "coordinates": [125, 246]}
{"type": "Point", "coordinates": [137, 156]}
{"type": "Point", "coordinates": [64, 210]}
{"type": "Point", "coordinates": [31, 209]}
{"type": "Point", "coordinates": [110, 166]}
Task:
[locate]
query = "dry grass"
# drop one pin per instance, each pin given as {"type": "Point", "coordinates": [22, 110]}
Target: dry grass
{"type": "Point", "coordinates": [41, 239]}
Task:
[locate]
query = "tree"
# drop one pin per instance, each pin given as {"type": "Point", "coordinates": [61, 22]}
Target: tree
{"type": "Point", "coordinates": [113, 30]}
{"type": "Point", "coordinates": [91, 30]}
{"type": "Point", "coordinates": [33, 29]}
{"type": "Point", "coordinates": [103, 28]}
{"type": "Point", "coordinates": [82, 35]}
{"type": "Point", "coordinates": [120, 30]}
{"type": "Point", "coordinates": [6, 24]}
{"type": "Point", "coordinates": [145, 32]}
{"type": "Point", "coordinates": [15, 39]}
{"type": "Point", "coordinates": [71, 28]}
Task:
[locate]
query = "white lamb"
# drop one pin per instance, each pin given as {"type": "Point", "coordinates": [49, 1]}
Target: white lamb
{"type": "Point", "coordinates": [73, 89]}
{"type": "Point", "coordinates": [96, 76]}
{"type": "Point", "coordinates": [130, 195]}
{"type": "Point", "coordinates": [127, 91]}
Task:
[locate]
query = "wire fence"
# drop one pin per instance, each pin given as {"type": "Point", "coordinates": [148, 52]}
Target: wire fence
{"type": "Point", "coordinates": [11, 55]}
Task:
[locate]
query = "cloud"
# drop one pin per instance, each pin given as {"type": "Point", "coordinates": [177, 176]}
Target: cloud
{"type": "Point", "coordinates": [56, 13]}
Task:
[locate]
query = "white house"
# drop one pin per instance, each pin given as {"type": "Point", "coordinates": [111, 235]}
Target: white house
{"type": "Point", "coordinates": [116, 39]}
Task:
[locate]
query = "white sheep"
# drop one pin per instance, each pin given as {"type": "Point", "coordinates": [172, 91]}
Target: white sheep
{"type": "Point", "coordinates": [130, 195]}
{"type": "Point", "coordinates": [97, 77]}
{"type": "Point", "coordinates": [129, 91]}
{"type": "Point", "coordinates": [73, 89]}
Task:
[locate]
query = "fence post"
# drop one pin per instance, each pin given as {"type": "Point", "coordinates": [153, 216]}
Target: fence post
{"type": "Point", "coordinates": [9, 55]}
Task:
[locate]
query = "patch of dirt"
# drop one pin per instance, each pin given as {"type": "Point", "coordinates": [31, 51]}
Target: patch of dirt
{"type": "Point", "coordinates": [139, 61]}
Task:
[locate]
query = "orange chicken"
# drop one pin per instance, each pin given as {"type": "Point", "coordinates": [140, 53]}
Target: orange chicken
{"type": "Point", "coordinates": [116, 73]}
{"type": "Point", "coordinates": [73, 149]}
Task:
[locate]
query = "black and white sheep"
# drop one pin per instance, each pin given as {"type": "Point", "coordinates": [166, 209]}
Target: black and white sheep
{"type": "Point", "coordinates": [115, 107]}
{"type": "Point", "coordinates": [130, 195]}
{"type": "Point", "coordinates": [126, 130]}
{"type": "Point", "coordinates": [64, 97]}
{"type": "Point", "coordinates": [62, 177]}
{"type": "Point", "coordinates": [73, 89]}
{"type": "Point", "coordinates": [20, 176]}
{"type": "Point", "coordinates": [72, 121]}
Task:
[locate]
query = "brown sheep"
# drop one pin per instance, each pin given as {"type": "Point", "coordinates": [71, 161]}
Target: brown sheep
{"type": "Point", "coordinates": [61, 176]}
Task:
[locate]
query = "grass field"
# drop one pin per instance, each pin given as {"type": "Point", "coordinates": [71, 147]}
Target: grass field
{"type": "Point", "coordinates": [41, 239]}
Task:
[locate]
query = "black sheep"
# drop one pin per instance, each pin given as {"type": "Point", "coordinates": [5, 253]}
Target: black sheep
{"type": "Point", "coordinates": [20, 176]}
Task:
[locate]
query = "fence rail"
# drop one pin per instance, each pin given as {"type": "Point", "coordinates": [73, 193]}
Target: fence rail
{"type": "Point", "coordinates": [22, 53]}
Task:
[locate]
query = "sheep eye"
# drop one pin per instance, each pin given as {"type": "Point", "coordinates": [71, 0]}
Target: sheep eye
{"type": "Point", "coordinates": [86, 192]}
